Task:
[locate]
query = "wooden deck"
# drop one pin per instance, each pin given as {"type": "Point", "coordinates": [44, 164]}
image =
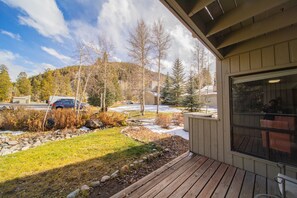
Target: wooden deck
{"type": "Point", "coordinates": [192, 175]}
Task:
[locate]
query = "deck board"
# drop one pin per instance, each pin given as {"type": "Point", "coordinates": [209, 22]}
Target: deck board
{"type": "Point", "coordinates": [225, 183]}
{"type": "Point", "coordinates": [247, 190]}
{"type": "Point", "coordinates": [235, 187]}
{"type": "Point", "coordinates": [169, 178]}
{"type": "Point", "coordinates": [192, 175]}
{"type": "Point", "coordinates": [182, 190]}
{"type": "Point", "coordinates": [199, 185]}
{"type": "Point", "coordinates": [180, 180]}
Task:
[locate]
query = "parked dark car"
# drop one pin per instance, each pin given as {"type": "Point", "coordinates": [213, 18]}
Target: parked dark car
{"type": "Point", "coordinates": [66, 103]}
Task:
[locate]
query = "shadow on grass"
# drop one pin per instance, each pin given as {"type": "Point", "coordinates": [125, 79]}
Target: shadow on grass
{"type": "Point", "coordinates": [61, 181]}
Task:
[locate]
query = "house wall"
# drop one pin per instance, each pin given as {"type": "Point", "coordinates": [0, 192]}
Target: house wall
{"type": "Point", "coordinates": [211, 137]}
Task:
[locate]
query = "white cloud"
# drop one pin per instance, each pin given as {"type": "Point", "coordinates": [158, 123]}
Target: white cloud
{"type": "Point", "coordinates": [53, 52]}
{"type": "Point", "coordinates": [42, 15]}
{"type": "Point", "coordinates": [16, 64]}
{"type": "Point", "coordinates": [11, 35]}
{"type": "Point", "coordinates": [117, 18]}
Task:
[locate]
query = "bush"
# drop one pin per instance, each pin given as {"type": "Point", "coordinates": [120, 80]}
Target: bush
{"type": "Point", "coordinates": [21, 119]}
{"type": "Point", "coordinates": [178, 119]}
{"type": "Point", "coordinates": [32, 120]}
{"type": "Point", "coordinates": [163, 120]}
{"type": "Point", "coordinates": [111, 119]}
{"type": "Point", "coordinates": [65, 118]}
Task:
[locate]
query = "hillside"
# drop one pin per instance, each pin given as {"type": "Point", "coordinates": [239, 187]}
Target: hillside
{"type": "Point", "coordinates": [123, 78]}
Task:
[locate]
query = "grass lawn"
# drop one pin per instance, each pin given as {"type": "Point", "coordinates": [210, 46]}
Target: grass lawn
{"type": "Point", "coordinates": [57, 168]}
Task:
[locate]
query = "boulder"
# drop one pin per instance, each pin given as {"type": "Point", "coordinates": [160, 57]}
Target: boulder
{"type": "Point", "coordinates": [95, 184]}
{"type": "Point", "coordinates": [50, 123]}
{"type": "Point", "coordinates": [105, 178]}
{"type": "Point", "coordinates": [125, 168]}
{"type": "Point", "coordinates": [12, 143]}
{"type": "Point", "coordinates": [115, 174]}
{"type": "Point", "coordinates": [85, 188]}
{"type": "Point", "coordinates": [93, 124]}
{"type": "Point", "coordinates": [73, 194]}
{"type": "Point", "coordinates": [5, 152]}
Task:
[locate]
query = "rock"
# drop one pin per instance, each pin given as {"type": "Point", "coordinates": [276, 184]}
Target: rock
{"type": "Point", "coordinates": [135, 162]}
{"type": "Point", "coordinates": [25, 148]}
{"type": "Point", "coordinates": [105, 178]}
{"type": "Point", "coordinates": [73, 194]}
{"type": "Point", "coordinates": [167, 150]}
{"type": "Point", "coordinates": [115, 174]}
{"type": "Point", "coordinates": [5, 152]}
{"type": "Point", "coordinates": [12, 143]}
{"type": "Point", "coordinates": [125, 168]}
{"type": "Point", "coordinates": [140, 161]}
{"type": "Point", "coordinates": [131, 165]}
{"type": "Point", "coordinates": [93, 124]}
{"type": "Point", "coordinates": [144, 158]}
{"type": "Point", "coordinates": [85, 188]}
{"type": "Point", "coordinates": [38, 143]}
{"type": "Point", "coordinates": [50, 123]}
{"type": "Point", "coordinates": [95, 184]}
{"type": "Point", "coordinates": [68, 136]}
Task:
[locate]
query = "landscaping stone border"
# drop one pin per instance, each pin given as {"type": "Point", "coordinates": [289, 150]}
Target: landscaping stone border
{"type": "Point", "coordinates": [9, 146]}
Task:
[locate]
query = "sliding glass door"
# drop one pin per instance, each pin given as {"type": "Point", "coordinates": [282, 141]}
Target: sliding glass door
{"type": "Point", "coordinates": [264, 115]}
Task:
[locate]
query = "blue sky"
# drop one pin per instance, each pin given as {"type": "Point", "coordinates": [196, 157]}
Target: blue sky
{"type": "Point", "coordinates": [40, 34]}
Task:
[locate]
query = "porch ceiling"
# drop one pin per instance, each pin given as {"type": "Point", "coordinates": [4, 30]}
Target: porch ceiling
{"type": "Point", "coordinates": [229, 27]}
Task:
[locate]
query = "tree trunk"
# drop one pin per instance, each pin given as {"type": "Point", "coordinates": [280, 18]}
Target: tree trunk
{"type": "Point", "coordinates": [158, 89]}
{"type": "Point", "coordinates": [143, 90]}
{"type": "Point", "coordinates": [105, 82]}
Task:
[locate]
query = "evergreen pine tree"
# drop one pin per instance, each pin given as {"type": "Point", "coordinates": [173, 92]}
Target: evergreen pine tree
{"type": "Point", "coordinates": [23, 84]}
{"type": "Point", "coordinates": [47, 85]}
{"type": "Point", "coordinates": [165, 93]}
{"type": "Point", "coordinates": [191, 101]}
{"type": "Point", "coordinates": [177, 82]}
{"type": "Point", "coordinates": [35, 84]}
{"type": "Point", "coordinates": [5, 83]}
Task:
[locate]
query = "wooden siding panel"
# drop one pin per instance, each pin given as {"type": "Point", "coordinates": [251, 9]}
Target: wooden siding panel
{"type": "Point", "coordinates": [220, 129]}
{"type": "Point", "coordinates": [260, 168]}
{"type": "Point", "coordinates": [214, 140]}
{"type": "Point", "coordinates": [293, 51]}
{"type": "Point", "coordinates": [282, 54]}
{"type": "Point", "coordinates": [201, 137]}
{"type": "Point", "coordinates": [196, 136]}
{"type": "Point", "coordinates": [272, 171]}
{"type": "Point", "coordinates": [248, 164]}
{"type": "Point", "coordinates": [256, 59]}
{"type": "Point", "coordinates": [207, 138]}
{"type": "Point", "coordinates": [245, 62]}
{"type": "Point", "coordinates": [268, 56]}
{"type": "Point", "coordinates": [226, 111]}
{"type": "Point", "coordinates": [191, 139]}
{"type": "Point", "coordinates": [238, 161]}
{"type": "Point", "coordinates": [234, 64]}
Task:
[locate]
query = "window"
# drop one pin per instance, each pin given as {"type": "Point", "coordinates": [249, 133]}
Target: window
{"type": "Point", "coordinates": [264, 115]}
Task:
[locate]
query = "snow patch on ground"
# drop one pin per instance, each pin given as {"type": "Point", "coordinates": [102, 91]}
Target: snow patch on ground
{"type": "Point", "coordinates": [173, 130]}
{"type": "Point", "coordinates": [136, 107]}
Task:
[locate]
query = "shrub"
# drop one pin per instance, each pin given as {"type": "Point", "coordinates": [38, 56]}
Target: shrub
{"type": "Point", "coordinates": [163, 120]}
{"type": "Point", "coordinates": [111, 119]}
{"type": "Point", "coordinates": [21, 119]}
{"type": "Point", "coordinates": [178, 119]}
{"type": "Point", "coordinates": [65, 118]}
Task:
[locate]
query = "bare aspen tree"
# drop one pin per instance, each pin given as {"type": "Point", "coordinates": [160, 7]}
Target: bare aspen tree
{"type": "Point", "coordinates": [199, 61]}
{"type": "Point", "coordinates": [81, 48]}
{"type": "Point", "coordinates": [103, 49]}
{"type": "Point", "coordinates": [161, 43]}
{"type": "Point", "coordinates": [139, 41]}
